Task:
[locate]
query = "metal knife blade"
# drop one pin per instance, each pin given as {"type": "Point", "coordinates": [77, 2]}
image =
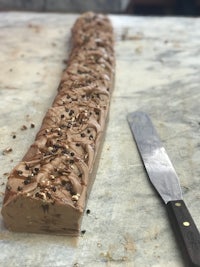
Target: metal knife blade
{"type": "Point", "coordinates": [164, 178]}
{"type": "Point", "coordinates": [156, 161]}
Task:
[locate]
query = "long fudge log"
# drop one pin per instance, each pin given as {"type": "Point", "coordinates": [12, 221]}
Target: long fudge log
{"type": "Point", "coordinates": [48, 190]}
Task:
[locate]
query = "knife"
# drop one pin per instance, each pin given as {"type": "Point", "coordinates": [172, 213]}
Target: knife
{"type": "Point", "coordinates": [165, 180]}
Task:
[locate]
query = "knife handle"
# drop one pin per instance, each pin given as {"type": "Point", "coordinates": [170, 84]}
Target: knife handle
{"type": "Point", "coordinates": [186, 231]}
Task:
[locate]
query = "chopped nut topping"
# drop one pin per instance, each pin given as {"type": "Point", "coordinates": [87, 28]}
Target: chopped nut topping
{"type": "Point", "coordinates": [75, 198]}
{"type": "Point", "coordinates": [52, 177]}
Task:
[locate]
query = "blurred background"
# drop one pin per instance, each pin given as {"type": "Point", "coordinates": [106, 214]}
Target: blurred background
{"type": "Point", "coordinates": [137, 7]}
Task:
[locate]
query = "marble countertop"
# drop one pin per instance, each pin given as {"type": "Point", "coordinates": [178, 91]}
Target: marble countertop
{"type": "Point", "coordinates": [158, 64]}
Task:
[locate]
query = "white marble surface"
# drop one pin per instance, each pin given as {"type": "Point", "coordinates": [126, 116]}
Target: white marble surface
{"type": "Point", "coordinates": [158, 63]}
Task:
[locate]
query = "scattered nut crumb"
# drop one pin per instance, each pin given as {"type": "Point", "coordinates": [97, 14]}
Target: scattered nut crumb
{"type": "Point", "coordinates": [23, 127]}
{"type": "Point", "coordinates": [99, 245]}
{"type": "Point", "coordinates": [87, 211]}
{"type": "Point", "coordinates": [7, 150]}
{"type": "Point", "coordinates": [83, 232]}
{"type": "Point", "coordinates": [13, 134]}
{"type": "Point", "coordinates": [32, 125]}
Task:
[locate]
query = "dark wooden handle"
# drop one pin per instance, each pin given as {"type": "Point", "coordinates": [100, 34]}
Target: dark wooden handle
{"type": "Point", "coordinates": [186, 231]}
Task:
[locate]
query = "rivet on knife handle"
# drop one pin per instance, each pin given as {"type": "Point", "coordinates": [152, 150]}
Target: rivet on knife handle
{"type": "Point", "coordinates": [164, 178]}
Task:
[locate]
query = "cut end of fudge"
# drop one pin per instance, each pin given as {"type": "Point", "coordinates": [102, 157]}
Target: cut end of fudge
{"type": "Point", "coordinates": [26, 214]}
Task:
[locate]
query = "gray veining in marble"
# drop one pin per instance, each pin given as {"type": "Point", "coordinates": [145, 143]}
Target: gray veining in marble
{"type": "Point", "coordinates": [158, 63]}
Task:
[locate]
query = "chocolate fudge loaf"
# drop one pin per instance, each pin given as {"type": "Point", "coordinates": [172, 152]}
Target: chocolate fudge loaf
{"type": "Point", "coordinates": [48, 190]}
